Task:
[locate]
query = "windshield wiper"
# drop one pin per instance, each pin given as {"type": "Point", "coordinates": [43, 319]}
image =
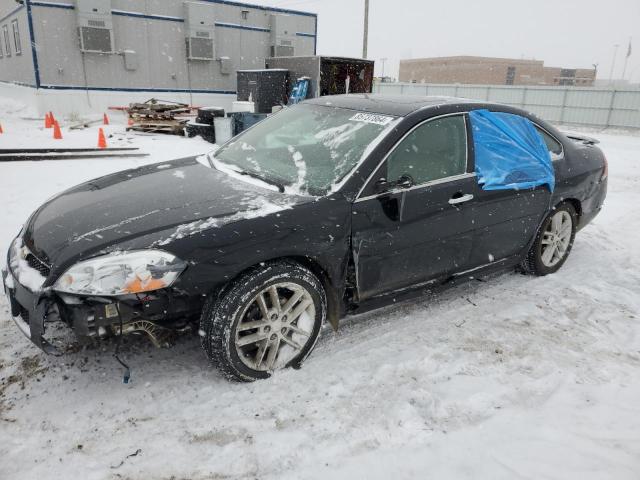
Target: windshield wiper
{"type": "Point", "coordinates": [229, 170]}
{"type": "Point", "coordinates": [279, 186]}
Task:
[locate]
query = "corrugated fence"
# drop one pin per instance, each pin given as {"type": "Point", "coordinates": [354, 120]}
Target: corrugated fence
{"type": "Point", "coordinates": [595, 107]}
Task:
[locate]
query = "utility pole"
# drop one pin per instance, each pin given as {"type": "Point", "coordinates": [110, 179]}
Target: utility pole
{"type": "Point", "coordinates": [383, 60]}
{"type": "Point", "coordinates": [626, 59]}
{"type": "Point", "coordinates": [613, 63]}
{"type": "Point", "coordinates": [365, 39]}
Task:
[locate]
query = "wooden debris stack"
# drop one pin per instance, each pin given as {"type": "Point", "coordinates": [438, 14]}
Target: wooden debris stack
{"type": "Point", "coordinates": [158, 116]}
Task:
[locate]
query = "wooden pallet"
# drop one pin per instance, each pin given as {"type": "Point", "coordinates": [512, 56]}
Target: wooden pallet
{"type": "Point", "coordinates": [158, 116]}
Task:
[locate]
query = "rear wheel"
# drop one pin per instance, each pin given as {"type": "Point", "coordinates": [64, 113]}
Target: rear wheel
{"type": "Point", "coordinates": [267, 319]}
{"type": "Point", "coordinates": [553, 242]}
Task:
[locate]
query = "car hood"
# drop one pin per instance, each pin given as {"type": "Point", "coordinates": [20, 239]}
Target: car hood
{"type": "Point", "coordinates": [182, 196]}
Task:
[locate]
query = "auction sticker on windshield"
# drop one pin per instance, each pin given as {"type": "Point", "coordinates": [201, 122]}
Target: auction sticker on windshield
{"type": "Point", "coordinates": [371, 118]}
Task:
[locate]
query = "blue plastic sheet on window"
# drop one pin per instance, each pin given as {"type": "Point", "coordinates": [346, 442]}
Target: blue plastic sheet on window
{"type": "Point", "coordinates": [510, 154]}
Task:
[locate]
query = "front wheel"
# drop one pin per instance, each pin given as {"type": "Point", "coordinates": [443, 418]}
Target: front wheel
{"type": "Point", "coordinates": [267, 319]}
{"type": "Point", "coordinates": [553, 242]}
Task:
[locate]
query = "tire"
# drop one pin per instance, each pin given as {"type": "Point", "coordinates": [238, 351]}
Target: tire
{"type": "Point", "coordinates": [538, 260]}
{"type": "Point", "coordinates": [247, 338]}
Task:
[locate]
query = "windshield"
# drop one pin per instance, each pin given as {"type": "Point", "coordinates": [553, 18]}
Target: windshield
{"type": "Point", "coordinates": [305, 148]}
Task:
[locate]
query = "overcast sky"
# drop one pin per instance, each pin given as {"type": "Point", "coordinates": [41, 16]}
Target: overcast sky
{"type": "Point", "coordinates": [563, 33]}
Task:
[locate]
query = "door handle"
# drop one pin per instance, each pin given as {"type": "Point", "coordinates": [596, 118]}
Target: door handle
{"type": "Point", "coordinates": [460, 199]}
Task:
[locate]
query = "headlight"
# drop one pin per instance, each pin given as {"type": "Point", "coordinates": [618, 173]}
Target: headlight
{"type": "Point", "coordinates": [122, 273]}
{"type": "Point", "coordinates": [14, 250]}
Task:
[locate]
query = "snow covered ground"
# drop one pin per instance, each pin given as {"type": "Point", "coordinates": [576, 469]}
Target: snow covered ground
{"type": "Point", "coordinates": [512, 377]}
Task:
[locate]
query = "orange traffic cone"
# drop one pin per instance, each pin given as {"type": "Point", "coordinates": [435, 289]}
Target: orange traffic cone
{"type": "Point", "coordinates": [57, 134]}
{"type": "Point", "coordinates": [102, 142]}
{"type": "Point", "coordinates": [1, 131]}
{"type": "Point", "coordinates": [105, 119]}
{"type": "Point", "coordinates": [52, 119]}
{"type": "Point", "coordinates": [47, 121]}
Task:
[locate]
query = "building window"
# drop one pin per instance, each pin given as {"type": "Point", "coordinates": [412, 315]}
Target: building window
{"type": "Point", "coordinates": [7, 45]}
{"type": "Point", "coordinates": [511, 75]}
{"type": "Point", "coordinates": [245, 14]}
{"type": "Point", "coordinates": [16, 37]}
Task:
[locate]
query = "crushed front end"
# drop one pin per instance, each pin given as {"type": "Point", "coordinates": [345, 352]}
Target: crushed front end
{"type": "Point", "coordinates": [56, 321]}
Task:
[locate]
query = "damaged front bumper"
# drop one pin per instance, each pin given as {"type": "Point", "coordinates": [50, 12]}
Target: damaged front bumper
{"type": "Point", "coordinates": [37, 313]}
{"type": "Point", "coordinates": [29, 311]}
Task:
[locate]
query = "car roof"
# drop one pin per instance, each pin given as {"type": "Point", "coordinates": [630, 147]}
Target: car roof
{"type": "Point", "coordinates": [396, 105]}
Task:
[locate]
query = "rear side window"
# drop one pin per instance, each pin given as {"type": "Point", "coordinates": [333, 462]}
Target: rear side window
{"type": "Point", "coordinates": [436, 149]}
{"type": "Point", "coordinates": [555, 148]}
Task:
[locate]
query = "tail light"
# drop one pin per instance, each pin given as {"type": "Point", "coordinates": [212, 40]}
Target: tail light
{"type": "Point", "coordinates": [605, 169]}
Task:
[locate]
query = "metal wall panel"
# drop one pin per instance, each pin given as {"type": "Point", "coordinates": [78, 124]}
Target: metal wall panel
{"type": "Point", "coordinates": [587, 116]}
{"type": "Point", "coordinates": [414, 89]}
{"type": "Point", "coordinates": [544, 96]}
{"type": "Point", "coordinates": [626, 100]}
{"type": "Point", "coordinates": [16, 68]}
{"type": "Point", "coordinates": [550, 113]}
{"type": "Point", "coordinates": [625, 118]}
{"type": "Point", "coordinates": [441, 90]}
{"type": "Point", "coordinates": [597, 107]}
{"type": "Point", "coordinates": [506, 95]}
{"type": "Point", "coordinates": [480, 93]}
{"type": "Point", "coordinates": [589, 98]}
{"type": "Point", "coordinates": [155, 31]}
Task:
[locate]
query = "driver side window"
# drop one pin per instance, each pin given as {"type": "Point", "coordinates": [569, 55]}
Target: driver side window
{"type": "Point", "coordinates": [436, 149]}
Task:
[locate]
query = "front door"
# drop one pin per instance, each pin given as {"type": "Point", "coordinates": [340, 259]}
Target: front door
{"type": "Point", "coordinates": [413, 223]}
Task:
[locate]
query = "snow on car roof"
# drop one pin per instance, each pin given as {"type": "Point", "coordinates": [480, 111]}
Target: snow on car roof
{"type": "Point", "coordinates": [396, 105]}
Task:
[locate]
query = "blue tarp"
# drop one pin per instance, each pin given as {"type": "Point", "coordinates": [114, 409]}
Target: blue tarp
{"type": "Point", "coordinates": [510, 154]}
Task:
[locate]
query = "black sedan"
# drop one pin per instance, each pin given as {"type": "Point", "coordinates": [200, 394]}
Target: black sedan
{"type": "Point", "coordinates": [333, 206]}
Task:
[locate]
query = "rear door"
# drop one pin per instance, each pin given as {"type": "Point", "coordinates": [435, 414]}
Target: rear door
{"type": "Point", "coordinates": [413, 222]}
{"type": "Point", "coordinates": [507, 220]}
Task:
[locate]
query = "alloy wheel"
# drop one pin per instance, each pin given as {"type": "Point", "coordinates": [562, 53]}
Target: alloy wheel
{"type": "Point", "coordinates": [275, 326]}
{"type": "Point", "coordinates": [556, 238]}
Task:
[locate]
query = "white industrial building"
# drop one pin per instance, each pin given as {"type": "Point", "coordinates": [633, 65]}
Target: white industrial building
{"type": "Point", "coordinates": [85, 55]}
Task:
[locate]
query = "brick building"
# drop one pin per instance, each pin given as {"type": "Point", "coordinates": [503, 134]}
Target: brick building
{"type": "Point", "coordinates": [491, 71]}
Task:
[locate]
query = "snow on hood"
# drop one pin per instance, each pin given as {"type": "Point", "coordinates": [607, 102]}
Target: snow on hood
{"type": "Point", "coordinates": [96, 232]}
{"type": "Point", "coordinates": [144, 203]}
{"type": "Point", "coordinates": [257, 207]}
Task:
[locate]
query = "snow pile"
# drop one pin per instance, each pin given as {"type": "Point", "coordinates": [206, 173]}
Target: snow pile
{"type": "Point", "coordinates": [10, 108]}
{"type": "Point", "coordinates": [24, 273]}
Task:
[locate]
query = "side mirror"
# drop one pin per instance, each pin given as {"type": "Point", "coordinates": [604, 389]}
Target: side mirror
{"type": "Point", "coordinates": [381, 186]}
